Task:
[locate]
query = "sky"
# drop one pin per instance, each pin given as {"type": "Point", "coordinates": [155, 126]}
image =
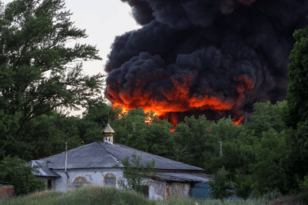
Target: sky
{"type": "Point", "coordinates": [103, 21]}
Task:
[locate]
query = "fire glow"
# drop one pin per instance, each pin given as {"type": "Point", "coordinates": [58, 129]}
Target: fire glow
{"type": "Point", "coordinates": [183, 102]}
{"type": "Point", "coordinates": [213, 58]}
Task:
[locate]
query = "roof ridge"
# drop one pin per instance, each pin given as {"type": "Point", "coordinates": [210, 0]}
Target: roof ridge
{"type": "Point", "coordinates": [155, 155]}
{"type": "Point", "coordinates": [109, 152]}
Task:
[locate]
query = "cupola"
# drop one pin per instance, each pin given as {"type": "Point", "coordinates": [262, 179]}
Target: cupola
{"type": "Point", "coordinates": [108, 132]}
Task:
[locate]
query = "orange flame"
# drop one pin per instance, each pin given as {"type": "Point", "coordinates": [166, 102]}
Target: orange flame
{"type": "Point", "coordinates": [178, 99]}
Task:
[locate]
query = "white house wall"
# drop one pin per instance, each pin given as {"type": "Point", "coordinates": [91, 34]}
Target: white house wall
{"type": "Point", "coordinates": [93, 176]}
{"type": "Point", "coordinates": [157, 189]}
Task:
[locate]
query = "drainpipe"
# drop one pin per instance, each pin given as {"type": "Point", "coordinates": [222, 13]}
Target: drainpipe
{"type": "Point", "coordinates": [67, 179]}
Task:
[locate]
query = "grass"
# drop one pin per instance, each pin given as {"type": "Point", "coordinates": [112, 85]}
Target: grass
{"type": "Point", "coordinates": [97, 195]}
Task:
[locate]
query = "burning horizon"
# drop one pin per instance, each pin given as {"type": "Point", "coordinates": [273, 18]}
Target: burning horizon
{"type": "Point", "coordinates": [212, 57]}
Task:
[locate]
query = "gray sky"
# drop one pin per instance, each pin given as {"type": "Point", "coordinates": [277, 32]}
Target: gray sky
{"type": "Point", "coordinates": [103, 21]}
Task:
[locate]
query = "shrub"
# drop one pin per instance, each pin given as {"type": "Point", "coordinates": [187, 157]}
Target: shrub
{"type": "Point", "coordinates": [15, 171]}
{"type": "Point", "coordinates": [304, 184]}
{"type": "Point", "coordinates": [219, 185]}
{"type": "Point", "coordinates": [242, 186]}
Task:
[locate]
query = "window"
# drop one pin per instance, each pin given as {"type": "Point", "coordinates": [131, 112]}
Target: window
{"type": "Point", "coordinates": [49, 184]}
{"type": "Point", "coordinates": [110, 179]}
{"type": "Point", "coordinates": [145, 190]}
{"type": "Point", "coordinates": [79, 181]}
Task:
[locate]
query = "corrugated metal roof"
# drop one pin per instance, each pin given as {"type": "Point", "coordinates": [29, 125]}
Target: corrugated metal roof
{"type": "Point", "coordinates": [104, 155]}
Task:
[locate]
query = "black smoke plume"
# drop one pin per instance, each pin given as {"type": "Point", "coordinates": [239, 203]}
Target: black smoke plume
{"type": "Point", "coordinates": [204, 46]}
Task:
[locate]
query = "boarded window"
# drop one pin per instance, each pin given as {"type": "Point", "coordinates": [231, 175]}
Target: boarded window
{"type": "Point", "coordinates": [79, 181]}
{"type": "Point", "coordinates": [110, 179]}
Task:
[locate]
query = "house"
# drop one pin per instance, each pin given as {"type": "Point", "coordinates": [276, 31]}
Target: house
{"type": "Point", "coordinates": [94, 163]}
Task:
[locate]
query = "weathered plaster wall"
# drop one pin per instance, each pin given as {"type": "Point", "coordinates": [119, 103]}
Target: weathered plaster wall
{"type": "Point", "coordinates": [45, 180]}
{"type": "Point", "coordinates": [93, 176]}
{"type": "Point", "coordinates": [162, 189]}
{"type": "Point", "coordinates": [157, 189]}
{"type": "Point", "coordinates": [177, 189]}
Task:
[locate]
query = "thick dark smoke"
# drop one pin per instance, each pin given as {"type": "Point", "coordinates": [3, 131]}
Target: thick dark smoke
{"type": "Point", "coordinates": [215, 42]}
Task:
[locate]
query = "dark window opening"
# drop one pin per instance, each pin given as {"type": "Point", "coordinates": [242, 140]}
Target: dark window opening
{"type": "Point", "coordinates": [49, 184]}
{"type": "Point", "coordinates": [145, 190]}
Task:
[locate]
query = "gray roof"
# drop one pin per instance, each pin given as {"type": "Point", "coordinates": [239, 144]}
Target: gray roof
{"type": "Point", "coordinates": [40, 169]}
{"type": "Point", "coordinates": [181, 177]}
{"type": "Point", "coordinates": [103, 155]}
{"type": "Point", "coordinates": [108, 129]}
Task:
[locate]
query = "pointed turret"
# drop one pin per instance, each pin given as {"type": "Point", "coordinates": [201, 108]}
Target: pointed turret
{"type": "Point", "coordinates": [108, 132]}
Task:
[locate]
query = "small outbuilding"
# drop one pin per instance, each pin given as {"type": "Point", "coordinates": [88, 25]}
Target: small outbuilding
{"type": "Point", "coordinates": [94, 164]}
{"type": "Point", "coordinates": [7, 190]}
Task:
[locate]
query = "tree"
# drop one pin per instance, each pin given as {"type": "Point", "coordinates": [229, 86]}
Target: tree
{"type": "Point", "coordinates": [266, 116]}
{"type": "Point", "coordinates": [296, 113]}
{"type": "Point", "coordinates": [297, 93]}
{"type": "Point", "coordinates": [242, 185]}
{"type": "Point", "coordinates": [220, 186]}
{"type": "Point", "coordinates": [270, 171]}
{"type": "Point", "coordinates": [193, 137]}
{"type": "Point", "coordinates": [136, 177]}
{"type": "Point", "coordinates": [49, 132]}
{"type": "Point", "coordinates": [15, 171]}
{"type": "Point", "coordinates": [8, 129]}
{"type": "Point", "coordinates": [32, 44]}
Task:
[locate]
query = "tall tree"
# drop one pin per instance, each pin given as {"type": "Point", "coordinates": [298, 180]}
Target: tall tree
{"type": "Point", "coordinates": [266, 116]}
{"type": "Point", "coordinates": [297, 94]}
{"type": "Point", "coordinates": [270, 170]}
{"type": "Point", "coordinates": [193, 136]}
{"type": "Point", "coordinates": [296, 113]}
{"type": "Point", "coordinates": [32, 44]}
{"type": "Point", "coordinates": [35, 71]}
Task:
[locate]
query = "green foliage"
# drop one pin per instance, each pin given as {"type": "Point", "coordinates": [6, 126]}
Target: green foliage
{"type": "Point", "coordinates": [97, 195]}
{"type": "Point", "coordinates": [154, 138]}
{"type": "Point", "coordinates": [237, 150]}
{"type": "Point", "coordinates": [274, 194]}
{"type": "Point", "coordinates": [33, 35]}
{"type": "Point", "coordinates": [220, 186]}
{"type": "Point", "coordinates": [15, 171]}
{"type": "Point", "coordinates": [266, 116]}
{"type": "Point", "coordinates": [297, 110]}
{"type": "Point", "coordinates": [193, 137]}
{"type": "Point", "coordinates": [296, 113]}
{"type": "Point", "coordinates": [8, 128]}
{"type": "Point", "coordinates": [269, 171]}
{"type": "Point", "coordinates": [34, 75]}
{"type": "Point", "coordinates": [44, 136]}
{"type": "Point", "coordinates": [242, 185]}
{"type": "Point", "coordinates": [137, 174]}
{"type": "Point", "coordinates": [304, 184]}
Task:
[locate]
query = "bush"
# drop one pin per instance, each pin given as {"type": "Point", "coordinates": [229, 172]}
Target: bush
{"type": "Point", "coordinates": [15, 171]}
{"type": "Point", "coordinates": [304, 184]}
{"type": "Point", "coordinates": [242, 186]}
{"type": "Point", "coordinates": [273, 195]}
{"type": "Point", "coordinates": [219, 185]}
